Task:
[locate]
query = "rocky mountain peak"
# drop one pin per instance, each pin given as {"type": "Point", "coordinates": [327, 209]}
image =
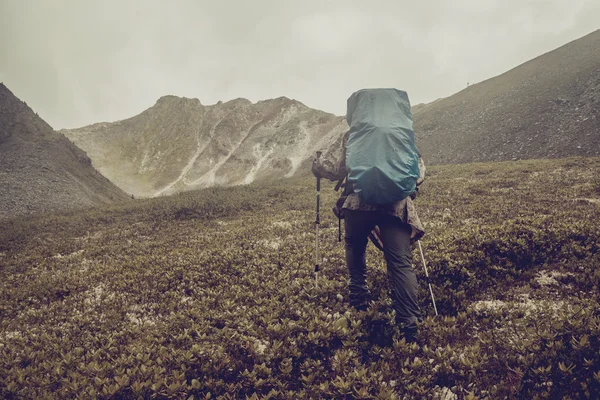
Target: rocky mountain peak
{"type": "Point", "coordinates": [172, 99]}
{"type": "Point", "coordinates": [282, 101]}
{"type": "Point", "coordinates": [547, 107]}
{"type": "Point", "coordinates": [17, 118]}
{"type": "Point", "coordinates": [40, 169]}
{"type": "Point", "coordinates": [240, 101]}
{"type": "Point", "coordinates": [180, 145]}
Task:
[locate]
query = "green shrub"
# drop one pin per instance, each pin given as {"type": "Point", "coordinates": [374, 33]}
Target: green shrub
{"type": "Point", "coordinates": [212, 294]}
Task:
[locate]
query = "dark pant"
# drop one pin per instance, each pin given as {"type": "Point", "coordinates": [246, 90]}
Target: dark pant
{"type": "Point", "coordinates": [395, 236]}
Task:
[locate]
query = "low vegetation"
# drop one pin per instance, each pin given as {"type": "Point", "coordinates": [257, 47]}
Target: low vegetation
{"type": "Point", "coordinates": [211, 294]}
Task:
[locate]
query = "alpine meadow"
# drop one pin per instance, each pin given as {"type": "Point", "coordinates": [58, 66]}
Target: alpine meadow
{"type": "Point", "coordinates": [177, 229]}
{"type": "Point", "coordinates": [211, 294]}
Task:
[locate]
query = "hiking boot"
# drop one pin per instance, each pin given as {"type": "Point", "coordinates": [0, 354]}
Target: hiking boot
{"type": "Point", "coordinates": [409, 333]}
{"type": "Point", "coordinates": [360, 303]}
{"type": "Point", "coordinates": [362, 306]}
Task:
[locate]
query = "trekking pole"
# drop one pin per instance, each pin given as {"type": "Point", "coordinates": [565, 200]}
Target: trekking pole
{"type": "Point", "coordinates": [427, 275]}
{"type": "Point", "coordinates": [339, 216]}
{"type": "Point", "coordinates": [317, 224]}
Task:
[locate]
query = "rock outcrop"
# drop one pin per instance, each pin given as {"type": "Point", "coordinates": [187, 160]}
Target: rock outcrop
{"type": "Point", "coordinates": [180, 144]}
{"type": "Point", "coordinates": [40, 169]}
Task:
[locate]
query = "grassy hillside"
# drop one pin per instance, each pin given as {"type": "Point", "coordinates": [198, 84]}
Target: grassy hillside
{"type": "Point", "coordinates": [548, 107]}
{"type": "Point", "coordinates": [211, 293]}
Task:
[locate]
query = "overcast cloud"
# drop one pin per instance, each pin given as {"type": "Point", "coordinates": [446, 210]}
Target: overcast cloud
{"type": "Point", "coordinates": [78, 62]}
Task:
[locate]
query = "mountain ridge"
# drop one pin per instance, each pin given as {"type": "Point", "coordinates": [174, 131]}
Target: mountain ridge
{"type": "Point", "coordinates": [233, 142]}
{"type": "Point", "coordinates": [40, 169]}
{"type": "Point", "coordinates": [543, 108]}
{"type": "Point", "coordinates": [547, 107]}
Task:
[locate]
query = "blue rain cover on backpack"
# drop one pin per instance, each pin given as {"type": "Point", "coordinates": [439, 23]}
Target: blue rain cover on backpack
{"type": "Point", "coordinates": [381, 156]}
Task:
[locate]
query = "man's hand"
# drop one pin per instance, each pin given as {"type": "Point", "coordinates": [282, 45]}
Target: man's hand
{"type": "Point", "coordinates": [315, 168]}
{"type": "Point", "coordinates": [326, 168]}
{"type": "Point", "coordinates": [413, 195]}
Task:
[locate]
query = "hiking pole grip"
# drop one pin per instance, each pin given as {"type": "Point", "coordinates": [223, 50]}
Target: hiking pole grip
{"type": "Point", "coordinates": [427, 275]}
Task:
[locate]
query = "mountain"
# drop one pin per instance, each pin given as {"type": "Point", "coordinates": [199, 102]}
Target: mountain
{"type": "Point", "coordinates": [545, 108]}
{"type": "Point", "coordinates": [40, 169]}
{"type": "Point", "coordinates": [180, 144]}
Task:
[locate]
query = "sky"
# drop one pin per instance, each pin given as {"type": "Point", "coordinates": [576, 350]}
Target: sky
{"type": "Point", "coordinates": [78, 62]}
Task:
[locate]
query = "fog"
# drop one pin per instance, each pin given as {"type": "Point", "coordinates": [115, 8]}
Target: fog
{"type": "Point", "coordinates": [78, 62]}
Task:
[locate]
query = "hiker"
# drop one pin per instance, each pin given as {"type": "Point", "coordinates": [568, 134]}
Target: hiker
{"type": "Point", "coordinates": [396, 224]}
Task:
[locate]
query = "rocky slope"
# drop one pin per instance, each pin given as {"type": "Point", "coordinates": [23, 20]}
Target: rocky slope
{"type": "Point", "coordinates": [180, 144]}
{"type": "Point", "coordinates": [545, 108]}
{"type": "Point", "coordinates": [40, 169]}
{"type": "Point", "coordinates": [548, 107]}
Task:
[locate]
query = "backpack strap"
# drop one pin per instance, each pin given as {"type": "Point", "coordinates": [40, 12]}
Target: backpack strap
{"type": "Point", "coordinates": [340, 183]}
{"type": "Point", "coordinates": [337, 209]}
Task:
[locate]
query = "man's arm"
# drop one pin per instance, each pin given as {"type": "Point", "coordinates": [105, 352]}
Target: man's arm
{"type": "Point", "coordinates": [421, 171]}
{"type": "Point", "coordinates": [334, 170]}
{"type": "Point", "coordinates": [421, 177]}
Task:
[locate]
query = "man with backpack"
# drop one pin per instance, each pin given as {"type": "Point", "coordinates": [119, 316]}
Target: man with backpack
{"type": "Point", "coordinates": [382, 168]}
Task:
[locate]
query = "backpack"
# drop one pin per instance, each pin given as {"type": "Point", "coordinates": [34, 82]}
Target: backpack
{"type": "Point", "coordinates": [382, 159]}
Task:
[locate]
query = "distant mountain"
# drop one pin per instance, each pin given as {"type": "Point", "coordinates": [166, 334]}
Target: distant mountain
{"type": "Point", "coordinates": [40, 169]}
{"type": "Point", "coordinates": [548, 107]}
{"type": "Point", "coordinates": [545, 108]}
{"type": "Point", "coordinates": [179, 144]}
